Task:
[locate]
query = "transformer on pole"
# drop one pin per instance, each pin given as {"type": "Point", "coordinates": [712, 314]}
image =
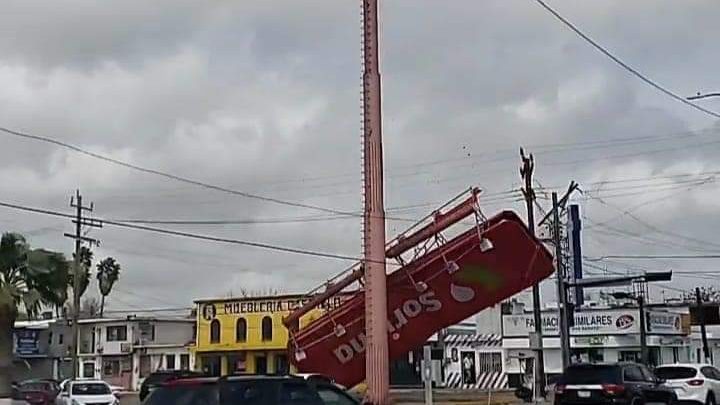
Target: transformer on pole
{"type": "Point", "coordinates": [376, 361]}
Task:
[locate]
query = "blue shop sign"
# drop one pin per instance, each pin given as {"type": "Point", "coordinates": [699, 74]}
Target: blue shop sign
{"type": "Point", "coordinates": [26, 342]}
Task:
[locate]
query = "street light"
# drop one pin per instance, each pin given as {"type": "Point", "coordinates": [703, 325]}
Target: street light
{"type": "Point", "coordinates": [643, 332]}
{"type": "Point", "coordinates": [699, 96]}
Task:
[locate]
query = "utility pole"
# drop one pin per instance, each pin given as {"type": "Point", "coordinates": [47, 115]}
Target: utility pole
{"type": "Point", "coordinates": [79, 221]}
{"type": "Point", "coordinates": [526, 172]}
{"type": "Point", "coordinates": [643, 330]}
{"type": "Point", "coordinates": [377, 369]}
{"type": "Point", "coordinates": [703, 331]}
{"type": "Point", "coordinates": [561, 287]}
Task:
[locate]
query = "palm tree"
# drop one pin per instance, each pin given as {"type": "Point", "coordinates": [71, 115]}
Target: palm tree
{"type": "Point", "coordinates": [29, 279]}
{"type": "Point", "coordinates": [86, 256]}
{"type": "Point", "coordinates": [108, 272]}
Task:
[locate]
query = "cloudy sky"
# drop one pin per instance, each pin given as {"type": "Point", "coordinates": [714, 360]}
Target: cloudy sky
{"type": "Point", "coordinates": [264, 97]}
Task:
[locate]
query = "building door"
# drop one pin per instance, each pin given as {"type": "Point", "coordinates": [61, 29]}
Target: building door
{"type": "Point", "coordinates": [281, 364]}
{"type": "Point", "coordinates": [211, 365]}
{"type": "Point", "coordinates": [260, 365]}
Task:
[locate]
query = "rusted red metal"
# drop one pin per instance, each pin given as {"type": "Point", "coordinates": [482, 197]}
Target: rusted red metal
{"type": "Point", "coordinates": [440, 223]}
{"type": "Point", "coordinates": [460, 279]}
{"type": "Point", "coordinates": [332, 289]}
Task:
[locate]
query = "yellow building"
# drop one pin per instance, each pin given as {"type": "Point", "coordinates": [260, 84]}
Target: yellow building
{"type": "Point", "coordinates": [246, 335]}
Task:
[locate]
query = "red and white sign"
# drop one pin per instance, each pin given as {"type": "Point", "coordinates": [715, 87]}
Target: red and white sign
{"type": "Point", "coordinates": [459, 279]}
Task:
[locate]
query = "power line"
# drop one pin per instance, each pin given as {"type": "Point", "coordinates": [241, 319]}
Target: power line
{"type": "Point", "coordinates": [260, 245]}
{"type": "Point", "coordinates": [669, 257]}
{"type": "Point", "coordinates": [169, 175]}
{"type": "Point", "coordinates": [624, 65]}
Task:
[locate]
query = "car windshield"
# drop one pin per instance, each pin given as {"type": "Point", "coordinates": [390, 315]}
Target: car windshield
{"type": "Point", "coordinates": [184, 394]}
{"type": "Point", "coordinates": [675, 373]}
{"type": "Point", "coordinates": [90, 389]}
{"type": "Point", "coordinates": [36, 386]}
{"type": "Point", "coordinates": [596, 374]}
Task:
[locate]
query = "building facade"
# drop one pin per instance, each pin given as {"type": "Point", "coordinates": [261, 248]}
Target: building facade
{"type": "Point", "coordinates": [599, 335]}
{"type": "Point", "coordinates": [42, 349]}
{"type": "Point", "coordinates": [124, 351]}
{"type": "Point", "coordinates": [247, 335]}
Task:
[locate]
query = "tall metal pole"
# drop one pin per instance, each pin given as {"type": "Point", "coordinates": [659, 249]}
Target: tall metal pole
{"type": "Point", "coordinates": [376, 360]}
{"type": "Point", "coordinates": [76, 286]}
{"type": "Point", "coordinates": [703, 330]}
{"type": "Point", "coordinates": [561, 290]}
{"type": "Point", "coordinates": [526, 171]}
{"type": "Point", "coordinates": [643, 331]}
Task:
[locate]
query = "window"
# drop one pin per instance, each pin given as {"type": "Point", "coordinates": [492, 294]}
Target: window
{"type": "Point", "coordinates": [88, 370]}
{"type": "Point", "coordinates": [236, 363]}
{"type": "Point", "coordinates": [267, 328]}
{"type": "Point", "coordinates": [60, 338]}
{"type": "Point", "coordinates": [333, 396]}
{"type": "Point", "coordinates": [111, 368]}
{"type": "Point", "coordinates": [50, 336]}
{"type": "Point", "coordinates": [708, 372]}
{"type": "Point", "coordinates": [633, 374]}
{"type": "Point", "coordinates": [647, 374]}
{"type": "Point", "coordinates": [215, 331]}
{"type": "Point", "coordinates": [241, 330]}
{"type": "Point", "coordinates": [587, 355]}
{"type": "Point", "coordinates": [633, 356]}
{"type": "Point", "coordinates": [116, 333]}
{"type": "Point", "coordinates": [676, 354]}
{"type": "Point", "coordinates": [90, 389]}
{"type": "Point", "coordinates": [292, 393]}
{"type": "Point", "coordinates": [184, 362]}
{"type": "Point", "coordinates": [675, 372]}
{"type": "Point", "coordinates": [170, 362]}
{"type": "Point", "coordinates": [490, 362]}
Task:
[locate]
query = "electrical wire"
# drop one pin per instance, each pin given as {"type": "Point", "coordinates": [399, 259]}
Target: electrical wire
{"type": "Point", "coordinates": [169, 175]}
{"type": "Point", "coordinates": [652, 257]}
{"type": "Point", "coordinates": [624, 65]}
{"type": "Point", "coordinates": [210, 238]}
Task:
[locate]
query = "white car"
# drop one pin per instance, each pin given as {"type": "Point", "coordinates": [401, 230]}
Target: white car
{"type": "Point", "coordinates": [699, 383]}
{"type": "Point", "coordinates": [86, 392]}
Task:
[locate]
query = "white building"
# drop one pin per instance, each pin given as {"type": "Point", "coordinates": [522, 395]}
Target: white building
{"type": "Point", "coordinates": [124, 351]}
{"type": "Point", "coordinates": [599, 335]}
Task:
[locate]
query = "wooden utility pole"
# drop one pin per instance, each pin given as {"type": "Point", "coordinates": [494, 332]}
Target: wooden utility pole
{"type": "Point", "coordinates": [79, 221]}
{"type": "Point", "coordinates": [377, 370]}
{"type": "Point", "coordinates": [526, 172]}
{"type": "Point", "coordinates": [703, 330]}
{"type": "Point", "coordinates": [561, 286]}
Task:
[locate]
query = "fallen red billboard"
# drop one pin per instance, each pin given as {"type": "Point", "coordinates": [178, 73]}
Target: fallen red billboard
{"type": "Point", "coordinates": [472, 271]}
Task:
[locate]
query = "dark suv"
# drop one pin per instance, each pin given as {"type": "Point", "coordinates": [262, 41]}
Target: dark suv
{"type": "Point", "coordinates": [249, 390]}
{"type": "Point", "coordinates": [617, 383]}
{"type": "Point", "coordinates": [157, 378]}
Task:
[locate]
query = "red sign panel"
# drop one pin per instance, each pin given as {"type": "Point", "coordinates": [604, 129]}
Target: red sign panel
{"type": "Point", "coordinates": [439, 289]}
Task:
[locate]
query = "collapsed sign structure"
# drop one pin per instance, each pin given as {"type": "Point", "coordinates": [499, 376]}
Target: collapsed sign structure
{"type": "Point", "coordinates": [486, 264]}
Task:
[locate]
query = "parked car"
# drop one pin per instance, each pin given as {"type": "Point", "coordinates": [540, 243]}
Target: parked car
{"type": "Point", "coordinates": [157, 378]}
{"type": "Point", "coordinates": [37, 392]}
{"type": "Point", "coordinates": [699, 383]}
{"type": "Point", "coordinates": [86, 392]}
{"type": "Point", "coordinates": [249, 390]}
{"type": "Point", "coordinates": [611, 383]}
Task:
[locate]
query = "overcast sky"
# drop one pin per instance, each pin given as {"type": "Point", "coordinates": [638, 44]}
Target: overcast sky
{"type": "Point", "coordinates": [264, 97]}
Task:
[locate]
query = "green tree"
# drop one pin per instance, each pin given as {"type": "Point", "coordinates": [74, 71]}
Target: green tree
{"type": "Point", "coordinates": [108, 272]}
{"type": "Point", "coordinates": [29, 279]}
{"type": "Point", "coordinates": [86, 257]}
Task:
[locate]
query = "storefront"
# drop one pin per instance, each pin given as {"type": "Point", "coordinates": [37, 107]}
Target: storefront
{"type": "Point", "coordinates": [246, 335]}
{"type": "Point", "coordinates": [599, 335]}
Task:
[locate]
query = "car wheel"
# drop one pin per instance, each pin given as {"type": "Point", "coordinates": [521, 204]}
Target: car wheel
{"type": "Point", "coordinates": [637, 401]}
{"type": "Point", "coordinates": [710, 399]}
